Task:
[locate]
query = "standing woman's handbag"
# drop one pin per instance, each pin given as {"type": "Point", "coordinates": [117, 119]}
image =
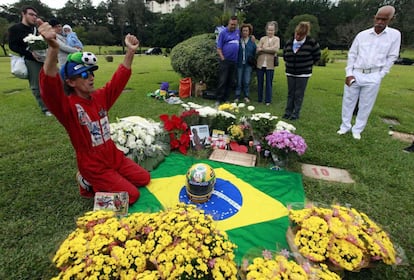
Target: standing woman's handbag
{"type": "Point", "coordinates": [276, 60]}
{"type": "Point", "coordinates": [252, 62]}
{"type": "Point", "coordinates": [18, 67]}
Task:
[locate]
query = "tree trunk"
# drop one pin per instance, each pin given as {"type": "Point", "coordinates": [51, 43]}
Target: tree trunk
{"type": "Point", "coordinates": [230, 7]}
{"type": "Point", "coordinates": [3, 46]}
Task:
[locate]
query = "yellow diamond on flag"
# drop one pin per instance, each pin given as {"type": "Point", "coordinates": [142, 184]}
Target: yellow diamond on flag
{"type": "Point", "coordinates": [257, 207]}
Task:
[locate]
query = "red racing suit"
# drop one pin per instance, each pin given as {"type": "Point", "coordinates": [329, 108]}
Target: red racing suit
{"type": "Point", "coordinates": [86, 121]}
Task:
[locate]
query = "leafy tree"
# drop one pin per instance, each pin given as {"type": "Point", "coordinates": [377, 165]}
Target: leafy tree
{"type": "Point", "coordinates": [258, 13]}
{"type": "Point", "coordinates": [14, 10]}
{"type": "Point", "coordinates": [10, 13]}
{"type": "Point", "coordinates": [83, 35]}
{"type": "Point", "coordinates": [163, 32]}
{"type": "Point", "coordinates": [4, 25]}
{"type": "Point", "coordinates": [99, 35]}
{"type": "Point", "coordinates": [347, 32]}
{"type": "Point", "coordinates": [404, 21]}
{"type": "Point", "coordinates": [205, 10]}
{"type": "Point", "coordinates": [230, 6]}
{"type": "Point", "coordinates": [77, 12]}
{"type": "Point", "coordinates": [103, 15]}
{"type": "Point", "coordinates": [134, 11]}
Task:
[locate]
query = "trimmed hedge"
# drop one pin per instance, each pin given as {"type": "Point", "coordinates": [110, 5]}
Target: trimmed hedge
{"type": "Point", "coordinates": [197, 58]}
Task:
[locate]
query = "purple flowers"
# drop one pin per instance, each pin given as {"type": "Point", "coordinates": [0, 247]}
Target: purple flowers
{"type": "Point", "coordinates": [286, 141]}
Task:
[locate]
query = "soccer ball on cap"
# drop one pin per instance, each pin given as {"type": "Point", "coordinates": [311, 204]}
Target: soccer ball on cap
{"type": "Point", "coordinates": [89, 58]}
{"type": "Point", "coordinates": [200, 182]}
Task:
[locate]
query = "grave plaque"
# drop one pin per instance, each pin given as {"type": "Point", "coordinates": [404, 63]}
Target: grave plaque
{"type": "Point", "coordinates": [232, 157]}
{"type": "Point", "coordinates": [403, 136]}
{"type": "Point", "coordinates": [326, 173]}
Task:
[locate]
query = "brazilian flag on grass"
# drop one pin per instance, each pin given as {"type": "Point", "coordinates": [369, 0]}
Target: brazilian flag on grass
{"type": "Point", "coordinates": [249, 203]}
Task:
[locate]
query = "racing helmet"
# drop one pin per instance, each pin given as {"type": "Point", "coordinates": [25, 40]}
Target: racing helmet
{"type": "Point", "coordinates": [200, 182]}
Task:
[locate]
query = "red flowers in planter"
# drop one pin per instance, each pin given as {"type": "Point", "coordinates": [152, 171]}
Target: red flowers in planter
{"type": "Point", "coordinates": [179, 132]}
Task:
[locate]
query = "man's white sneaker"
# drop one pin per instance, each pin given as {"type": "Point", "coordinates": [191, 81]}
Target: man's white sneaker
{"type": "Point", "coordinates": [356, 136]}
{"type": "Point", "coordinates": [342, 132]}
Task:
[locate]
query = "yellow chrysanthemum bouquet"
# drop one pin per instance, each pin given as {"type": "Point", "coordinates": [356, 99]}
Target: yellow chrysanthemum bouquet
{"type": "Point", "coordinates": [178, 243]}
{"type": "Point", "coordinates": [341, 237]}
{"type": "Point", "coordinates": [278, 266]}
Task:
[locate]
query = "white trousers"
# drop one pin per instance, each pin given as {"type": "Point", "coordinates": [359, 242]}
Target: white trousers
{"type": "Point", "coordinates": [365, 89]}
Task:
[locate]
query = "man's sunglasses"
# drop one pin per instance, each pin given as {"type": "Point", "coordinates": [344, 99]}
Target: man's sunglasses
{"type": "Point", "coordinates": [85, 75]}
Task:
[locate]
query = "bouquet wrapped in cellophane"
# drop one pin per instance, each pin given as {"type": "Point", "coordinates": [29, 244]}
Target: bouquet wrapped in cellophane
{"type": "Point", "coordinates": [266, 264]}
{"type": "Point", "coordinates": [177, 243]}
{"type": "Point", "coordinates": [341, 237]}
{"type": "Point", "coordinates": [37, 45]}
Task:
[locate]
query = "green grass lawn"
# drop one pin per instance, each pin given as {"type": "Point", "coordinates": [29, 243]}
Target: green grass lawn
{"type": "Point", "coordinates": [39, 196]}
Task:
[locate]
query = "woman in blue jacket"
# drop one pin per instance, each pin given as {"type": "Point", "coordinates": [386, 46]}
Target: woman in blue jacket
{"type": "Point", "coordinates": [246, 61]}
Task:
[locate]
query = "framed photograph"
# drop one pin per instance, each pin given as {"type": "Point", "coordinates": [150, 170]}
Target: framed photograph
{"type": "Point", "coordinates": [200, 136]}
{"type": "Point", "coordinates": [219, 139]}
{"type": "Point", "coordinates": [117, 202]}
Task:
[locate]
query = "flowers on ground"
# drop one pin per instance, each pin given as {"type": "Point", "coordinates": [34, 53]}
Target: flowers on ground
{"type": "Point", "coordinates": [261, 124]}
{"type": "Point", "coordinates": [286, 141]}
{"type": "Point", "coordinates": [236, 132]}
{"type": "Point", "coordinates": [142, 140]}
{"type": "Point", "coordinates": [190, 117]}
{"type": "Point", "coordinates": [280, 267]}
{"type": "Point", "coordinates": [282, 125]}
{"type": "Point", "coordinates": [178, 131]}
{"type": "Point", "coordinates": [341, 236]}
{"type": "Point", "coordinates": [179, 243]}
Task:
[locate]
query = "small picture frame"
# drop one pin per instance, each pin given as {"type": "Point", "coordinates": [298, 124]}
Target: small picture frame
{"type": "Point", "coordinates": [219, 139]}
{"type": "Point", "coordinates": [200, 137]}
{"type": "Point", "coordinates": [117, 202]}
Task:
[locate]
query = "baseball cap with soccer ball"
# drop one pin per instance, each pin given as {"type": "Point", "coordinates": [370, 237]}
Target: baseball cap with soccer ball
{"type": "Point", "coordinates": [78, 63]}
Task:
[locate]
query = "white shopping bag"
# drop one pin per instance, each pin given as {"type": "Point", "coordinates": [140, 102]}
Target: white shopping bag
{"type": "Point", "coordinates": [18, 67]}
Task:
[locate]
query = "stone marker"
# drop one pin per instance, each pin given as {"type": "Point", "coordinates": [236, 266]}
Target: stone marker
{"type": "Point", "coordinates": [409, 138]}
{"type": "Point", "coordinates": [233, 157]}
{"type": "Point", "coordinates": [326, 173]}
{"type": "Point", "coordinates": [391, 121]}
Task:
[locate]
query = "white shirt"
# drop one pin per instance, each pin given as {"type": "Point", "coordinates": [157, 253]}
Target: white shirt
{"type": "Point", "coordinates": [372, 50]}
{"type": "Point", "coordinates": [297, 44]}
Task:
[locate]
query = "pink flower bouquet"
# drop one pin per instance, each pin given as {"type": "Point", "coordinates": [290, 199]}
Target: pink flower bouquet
{"type": "Point", "coordinates": [287, 142]}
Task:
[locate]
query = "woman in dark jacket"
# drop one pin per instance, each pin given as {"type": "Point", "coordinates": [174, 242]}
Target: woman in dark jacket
{"type": "Point", "coordinates": [300, 54]}
{"type": "Point", "coordinates": [246, 61]}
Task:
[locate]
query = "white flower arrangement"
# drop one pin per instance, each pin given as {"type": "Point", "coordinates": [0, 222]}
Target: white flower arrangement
{"type": "Point", "coordinates": [261, 125]}
{"type": "Point", "coordinates": [142, 140]}
{"type": "Point", "coordinates": [251, 108]}
{"type": "Point", "coordinates": [35, 42]}
{"type": "Point", "coordinates": [263, 116]}
{"type": "Point", "coordinates": [37, 45]}
{"type": "Point", "coordinates": [204, 111]}
{"type": "Point", "coordinates": [281, 125]}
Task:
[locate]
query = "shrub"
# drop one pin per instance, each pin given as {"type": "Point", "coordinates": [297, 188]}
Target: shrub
{"type": "Point", "coordinates": [324, 57]}
{"type": "Point", "coordinates": [197, 58]}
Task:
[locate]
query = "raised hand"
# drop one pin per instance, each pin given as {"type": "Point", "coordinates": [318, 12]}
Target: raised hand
{"type": "Point", "coordinates": [131, 42]}
{"type": "Point", "coordinates": [47, 32]}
